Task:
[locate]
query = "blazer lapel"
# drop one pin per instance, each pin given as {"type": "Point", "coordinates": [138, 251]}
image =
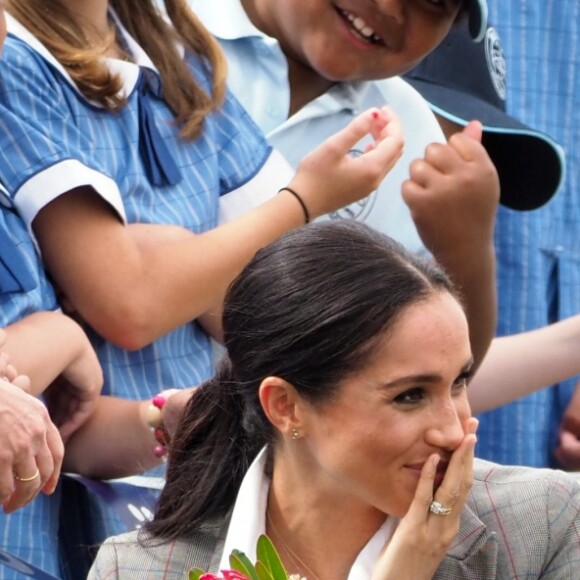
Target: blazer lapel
{"type": "Point", "coordinates": [473, 555]}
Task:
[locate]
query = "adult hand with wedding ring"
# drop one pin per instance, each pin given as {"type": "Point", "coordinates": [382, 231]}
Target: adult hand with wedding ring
{"type": "Point", "coordinates": [427, 531]}
{"type": "Point", "coordinates": [26, 479]}
{"type": "Point", "coordinates": [31, 450]}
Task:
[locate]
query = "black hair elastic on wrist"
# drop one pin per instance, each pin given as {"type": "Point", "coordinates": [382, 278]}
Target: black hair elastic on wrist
{"type": "Point", "coordinates": [300, 201]}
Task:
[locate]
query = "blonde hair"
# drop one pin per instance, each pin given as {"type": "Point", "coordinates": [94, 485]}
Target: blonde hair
{"type": "Point", "coordinates": [53, 25]}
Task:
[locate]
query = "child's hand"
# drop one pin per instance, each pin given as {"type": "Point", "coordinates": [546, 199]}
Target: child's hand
{"type": "Point", "coordinates": [329, 178]}
{"type": "Point", "coordinates": [7, 370]}
{"type": "Point", "coordinates": [72, 397]}
{"type": "Point", "coordinates": [422, 538]}
{"type": "Point", "coordinates": [453, 193]}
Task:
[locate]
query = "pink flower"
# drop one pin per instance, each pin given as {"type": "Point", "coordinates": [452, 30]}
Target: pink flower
{"type": "Point", "coordinates": [226, 575]}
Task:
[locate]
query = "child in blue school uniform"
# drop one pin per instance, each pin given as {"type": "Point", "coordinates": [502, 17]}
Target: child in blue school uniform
{"type": "Point", "coordinates": [109, 124]}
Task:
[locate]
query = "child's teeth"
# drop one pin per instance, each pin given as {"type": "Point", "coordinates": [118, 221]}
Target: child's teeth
{"type": "Point", "coordinates": [360, 25]}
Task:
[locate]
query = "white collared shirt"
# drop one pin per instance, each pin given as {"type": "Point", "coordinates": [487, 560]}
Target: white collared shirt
{"type": "Point", "coordinates": [248, 522]}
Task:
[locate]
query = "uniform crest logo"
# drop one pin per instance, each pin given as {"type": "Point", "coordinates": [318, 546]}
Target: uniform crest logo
{"type": "Point", "coordinates": [495, 61]}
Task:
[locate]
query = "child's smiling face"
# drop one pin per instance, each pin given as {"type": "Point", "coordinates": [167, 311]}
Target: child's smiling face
{"type": "Point", "coordinates": [356, 39]}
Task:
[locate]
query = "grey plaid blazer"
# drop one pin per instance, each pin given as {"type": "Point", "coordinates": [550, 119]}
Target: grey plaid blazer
{"type": "Point", "coordinates": [519, 523]}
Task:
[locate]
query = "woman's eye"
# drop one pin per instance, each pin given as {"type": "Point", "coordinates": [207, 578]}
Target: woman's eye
{"type": "Point", "coordinates": [409, 397]}
{"type": "Point", "coordinates": [460, 383]}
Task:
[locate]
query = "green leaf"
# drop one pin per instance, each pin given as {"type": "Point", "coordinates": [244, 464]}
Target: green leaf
{"type": "Point", "coordinates": [268, 556]}
{"type": "Point", "coordinates": [263, 572]}
{"type": "Point", "coordinates": [195, 574]}
{"type": "Point", "coordinates": [240, 562]}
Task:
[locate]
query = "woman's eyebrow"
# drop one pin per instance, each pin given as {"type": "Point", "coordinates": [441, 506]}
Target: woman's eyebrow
{"type": "Point", "coordinates": [425, 378]}
{"type": "Point", "coordinates": [421, 378]}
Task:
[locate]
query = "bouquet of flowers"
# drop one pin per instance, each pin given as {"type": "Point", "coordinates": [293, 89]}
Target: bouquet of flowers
{"type": "Point", "coordinates": [268, 567]}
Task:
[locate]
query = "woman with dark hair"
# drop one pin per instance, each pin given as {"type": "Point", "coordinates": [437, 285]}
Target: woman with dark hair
{"type": "Point", "coordinates": [339, 424]}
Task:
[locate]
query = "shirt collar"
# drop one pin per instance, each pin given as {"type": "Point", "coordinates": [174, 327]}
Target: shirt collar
{"type": "Point", "coordinates": [249, 515]}
{"type": "Point", "coordinates": [249, 521]}
{"type": "Point", "coordinates": [128, 72]}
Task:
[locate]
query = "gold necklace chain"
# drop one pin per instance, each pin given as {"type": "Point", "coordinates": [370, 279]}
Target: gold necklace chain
{"type": "Point", "coordinates": [296, 560]}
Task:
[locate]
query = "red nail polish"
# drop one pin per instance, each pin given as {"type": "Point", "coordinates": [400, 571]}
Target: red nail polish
{"type": "Point", "coordinates": [375, 115]}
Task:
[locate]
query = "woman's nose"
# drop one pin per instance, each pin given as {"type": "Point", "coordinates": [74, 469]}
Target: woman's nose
{"type": "Point", "coordinates": [447, 429]}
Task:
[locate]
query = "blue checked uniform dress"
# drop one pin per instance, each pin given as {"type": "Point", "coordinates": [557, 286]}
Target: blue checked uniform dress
{"type": "Point", "coordinates": [538, 252]}
{"type": "Point", "coordinates": [53, 140]}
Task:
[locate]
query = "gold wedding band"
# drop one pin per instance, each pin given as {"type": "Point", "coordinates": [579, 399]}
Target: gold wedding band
{"type": "Point", "coordinates": [31, 478]}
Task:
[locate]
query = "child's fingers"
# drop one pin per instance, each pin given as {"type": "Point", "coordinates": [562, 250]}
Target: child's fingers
{"type": "Point", "coordinates": [10, 372]}
{"type": "Point", "coordinates": [392, 130]}
{"type": "Point", "coordinates": [386, 124]}
{"type": "Point", "coordinates": [4, 363]}
{"type": "Point", "coordinates": [473, 130]}
{"type": "Point", "coordinates": [468, 147]}
{"type": "Point", "coordinates": [443, 158]}
{"type": "Point", "coordinates": [411, 191]}
{"type": "Point", "coordinates": [388, 150]}
{"type": "Point", "coordinates": [422, 173]}
{"type": "Point", "coordinates": [344, 140]}
{"type": "Point", "coordinates": [22, 382]}
{"type": "Point", "coordinates": [380, 123]}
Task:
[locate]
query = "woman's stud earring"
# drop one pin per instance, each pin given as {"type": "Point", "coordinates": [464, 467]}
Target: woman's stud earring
{"type": "Point", "coordinates": [295, 433]}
